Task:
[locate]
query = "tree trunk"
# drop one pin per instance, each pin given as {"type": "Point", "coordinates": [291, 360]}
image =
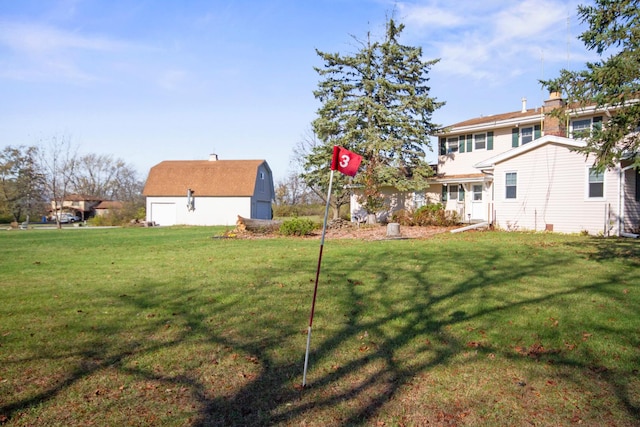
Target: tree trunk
{"type": "Point", "coordinates": [257, 225]}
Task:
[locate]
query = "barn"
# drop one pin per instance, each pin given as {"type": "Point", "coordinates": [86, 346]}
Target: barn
{"type": "Point", "coordinates": [208, 192]}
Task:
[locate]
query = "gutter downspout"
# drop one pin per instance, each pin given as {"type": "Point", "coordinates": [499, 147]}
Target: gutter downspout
{"type": "Point", "coordinates": [620, 215]}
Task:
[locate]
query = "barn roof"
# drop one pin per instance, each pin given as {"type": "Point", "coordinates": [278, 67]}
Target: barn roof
{"type": "Point", "coordinates": [219, 178]}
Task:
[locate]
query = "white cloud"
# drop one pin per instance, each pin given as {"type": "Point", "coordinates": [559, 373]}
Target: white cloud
{"type": "Point", "coordinates": [491, 40]}
{"type": "Point", "coordinates": [42, 39]}
{"type": "Point", "coordinates": [42, 51]}
{"type": "Point", "coordinates": [428, 16]}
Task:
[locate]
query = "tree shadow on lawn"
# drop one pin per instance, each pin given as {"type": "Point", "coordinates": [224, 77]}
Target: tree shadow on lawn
{"type": "Point", "coordinates": [359, 363]}
{"type": "Point", "coordinates": [362, 385]}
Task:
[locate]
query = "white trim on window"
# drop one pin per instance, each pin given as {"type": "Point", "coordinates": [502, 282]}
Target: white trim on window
{"type": "Point", "coordinates": [480, 141]}
{"type": "Point", "coordinates": [526, 135]}
{"type": "Point", "coordinates": [510, 186]}
{"type": "Point", "coordinates": [595, 184]}
{"type": "Point", "coordinates": [453, 145]}
{"type": "Point", "coordinates": [477, 192]}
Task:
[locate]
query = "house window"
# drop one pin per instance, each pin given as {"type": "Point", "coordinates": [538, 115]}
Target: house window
{"type": "Point", "coordinates": [511, 185]}
{"type": "Point", "coordinates": [419, 200]}
{"type": "Point", "coordinates": [583, 128]}
{"type": "Point", "coordinates": [453, 192]}
{"type": "Point", "coordinates": [526, 135]}
{"type": "Point", "coordinates": [452, 145]}
{"type": "Point", "coordinates": [480, 141]}
{"type": "Point", "coordinates": [477, 193]}
{"type": "Point", "coordinates": [596, 184]}
{"type": "Point", "coordinates": [461, 193]}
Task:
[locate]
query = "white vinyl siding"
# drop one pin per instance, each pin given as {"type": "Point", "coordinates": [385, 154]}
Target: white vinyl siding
{"type": "Point", "coordinates": [551, 190]}
{"type": "Point", "coordinates": [208, 210]}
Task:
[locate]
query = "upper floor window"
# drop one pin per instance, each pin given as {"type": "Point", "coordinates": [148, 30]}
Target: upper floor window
{"type": "Point", "coordinates": [480, 141]}
{"type": "Point", "coordinates": [583, 128]}
{"type": "Point", "coordinates": [524, 135]}
{"type": "Point", "coordinates": [452, 145]}
{"type": "Point", "coordinates": [596, 184]}
{"type": "Point", "coordinates": [511, 185]}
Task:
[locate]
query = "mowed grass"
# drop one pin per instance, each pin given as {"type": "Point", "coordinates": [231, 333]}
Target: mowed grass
{"type": "Point", "coordinates": [172, 327]}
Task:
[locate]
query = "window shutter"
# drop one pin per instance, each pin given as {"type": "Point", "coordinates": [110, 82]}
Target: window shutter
{"type": "Point", "coordinates": [489, 140]}
{"type": "Point", "coordinates": [461, 144]}
{"type": "Point", "coordinates": [515, 137]}
{"type": "Point", "coordinates": [444, 193]}
{"type": "Point", "coordinates": [443, 146]}
{"type": "Point", "coordinates": [469, 143]}
{"type": "Point", "coordinates": [537, 132]}
{"type": "Point", "coordinates": [597, 122]}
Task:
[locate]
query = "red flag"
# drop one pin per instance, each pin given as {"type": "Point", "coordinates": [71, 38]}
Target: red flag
{"type": "Point", "coordinates": [345, 161]}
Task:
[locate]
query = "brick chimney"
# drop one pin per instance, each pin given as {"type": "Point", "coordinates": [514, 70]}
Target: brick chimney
{"type": "Point", "coordinates": [554, 125]}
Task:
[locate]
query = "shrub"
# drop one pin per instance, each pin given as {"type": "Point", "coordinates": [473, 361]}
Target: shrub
{"type": "Point", "coordinates": [435, 215]}
{"type": "Point", "coordinates": [297, 227]}
{"type": "Point", "coordinates": [403, 217]}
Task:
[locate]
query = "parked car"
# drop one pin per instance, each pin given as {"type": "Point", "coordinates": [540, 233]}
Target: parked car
{"type": "Point", "coordinates": [66, 218]}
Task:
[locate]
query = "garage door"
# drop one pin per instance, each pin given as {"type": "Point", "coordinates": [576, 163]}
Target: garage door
{"type": "Point", "coordinates": [163, 213]}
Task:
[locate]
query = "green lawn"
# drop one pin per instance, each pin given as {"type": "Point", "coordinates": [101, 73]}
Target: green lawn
{"type": "Point", "coordinates": [172, 327]}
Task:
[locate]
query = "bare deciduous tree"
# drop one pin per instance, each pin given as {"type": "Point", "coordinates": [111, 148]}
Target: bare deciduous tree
{"type": "Point", "coordinates": [57, 161]}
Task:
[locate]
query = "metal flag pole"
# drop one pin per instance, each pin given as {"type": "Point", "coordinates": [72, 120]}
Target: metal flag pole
{"type": "Point", "coordinates": [315, 289]}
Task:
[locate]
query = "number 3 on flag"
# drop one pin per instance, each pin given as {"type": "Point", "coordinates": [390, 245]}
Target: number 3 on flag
{"type": "Point", "coordinates": [345, 161]}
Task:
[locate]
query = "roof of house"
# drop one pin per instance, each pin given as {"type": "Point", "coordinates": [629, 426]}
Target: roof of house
{"type": "Point", "coordinates": [213, 178]}
{"type": "Point", "coordinates": [547, 139]}
{"type": "Point", "coordinates": [535, 113]}
{"type": "Point", "coordinates": [109, 204]}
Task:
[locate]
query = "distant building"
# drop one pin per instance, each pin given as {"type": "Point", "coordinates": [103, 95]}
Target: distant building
{"type": "Point", "coordinates": [208, 192]}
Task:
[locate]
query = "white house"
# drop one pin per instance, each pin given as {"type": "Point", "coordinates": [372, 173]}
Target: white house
{"type": "Point", "coordinates": [520, 171]}
{"type": "Point", "coordinates": [208, 192]}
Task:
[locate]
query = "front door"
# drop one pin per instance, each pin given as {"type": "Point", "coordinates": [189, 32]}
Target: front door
{"type": "Point", "coordinates": [477, 204]}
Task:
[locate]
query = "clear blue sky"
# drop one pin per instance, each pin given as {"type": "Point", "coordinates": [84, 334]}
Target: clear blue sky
{"type": "Point", "coordinates": [151, 80]}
